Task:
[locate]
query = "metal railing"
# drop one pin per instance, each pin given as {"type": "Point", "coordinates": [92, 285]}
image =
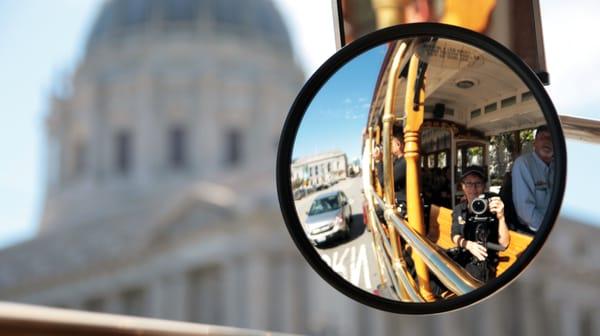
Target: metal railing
{"type": "Point", "coordinates": [22, 319]}
{"type": "Point", "coordinates": [403, 285]}
{"type": "Point", "coordinates": [448, 272]}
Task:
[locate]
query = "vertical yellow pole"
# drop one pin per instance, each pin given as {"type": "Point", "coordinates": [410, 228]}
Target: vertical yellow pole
{"type": "Point", "coordinates": [414, 120]}
{"type": "Point", "coordinates": [388, 119]}
{"type": "Point", "coordinates": [471, 14]}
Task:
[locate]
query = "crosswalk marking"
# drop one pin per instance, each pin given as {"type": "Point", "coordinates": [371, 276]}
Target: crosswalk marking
{"type": "Point", "coordinates": [355, 269]}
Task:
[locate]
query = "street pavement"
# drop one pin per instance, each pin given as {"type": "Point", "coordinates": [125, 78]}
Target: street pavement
{"type": "Point", "coordinates": [352, 258]}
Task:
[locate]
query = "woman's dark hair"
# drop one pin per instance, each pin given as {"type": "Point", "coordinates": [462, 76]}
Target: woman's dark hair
{"type": "Point", "coordinates": [398, 132]}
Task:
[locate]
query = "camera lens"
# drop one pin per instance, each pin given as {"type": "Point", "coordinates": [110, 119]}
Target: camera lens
{"type": "Point", "coordinates": [479, 206]}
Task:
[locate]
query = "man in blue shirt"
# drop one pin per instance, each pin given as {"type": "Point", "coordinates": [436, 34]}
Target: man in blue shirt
{"type": "Point", "coordinates": [532, 180]}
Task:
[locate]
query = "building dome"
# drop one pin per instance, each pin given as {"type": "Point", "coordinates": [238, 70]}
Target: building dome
{"type": "Point", "coordinates": [241, 18]}
{"type": "Point", "coordinates": [169, 93]}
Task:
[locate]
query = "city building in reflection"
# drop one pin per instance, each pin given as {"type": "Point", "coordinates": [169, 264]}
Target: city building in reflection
{"type": "Point", "coordinates": [318, 169]}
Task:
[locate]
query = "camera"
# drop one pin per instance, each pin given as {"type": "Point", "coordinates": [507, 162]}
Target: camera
{"type": "Point", "coordinates": [480, 205]}
{"type": "Point", "coordinates": [484, 220]}
{"type": "Point", "coordinates": [483, 217]}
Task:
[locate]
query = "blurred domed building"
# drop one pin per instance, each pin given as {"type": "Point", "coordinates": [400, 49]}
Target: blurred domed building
{"type": "Point", "coordinates": [159, 202]}
{"type": "Point", "coordinates": [169, 92]}
{"type": "Point", "coordinates": [161, 199]}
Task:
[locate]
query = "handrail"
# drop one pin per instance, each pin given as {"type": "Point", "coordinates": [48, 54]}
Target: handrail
{"type": "Point", "coordinates": [448, 272]}
{"type": "Point", "coordinates": [405, 290]}
{"type": "Point", "coordinates": [378, 241]}
{"type": "Point", "coordinates": [382, 257]}
{"type": "Point", "coordinates": [399, 288]}
{"type": "Point", "coordinates": [400, 271]}
{"type": "Point", "coordinates": [385, 270]}
{"type": "Point", "coordinates": [22, 319]}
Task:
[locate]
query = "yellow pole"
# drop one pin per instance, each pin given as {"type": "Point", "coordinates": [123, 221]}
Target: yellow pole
{"type": "Point", "coordinates": [388, 169]}
{"type": "Point", "coordinates": [471, 14]}
{"type": "Point", "coordinates": [388, 12]}
{"type": "Point", "coordinates": [414, 120]}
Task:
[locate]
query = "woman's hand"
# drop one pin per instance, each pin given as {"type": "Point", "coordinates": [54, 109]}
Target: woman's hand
{"type": "Point", "coordinates": [497, 207]}
{"type": "Point", "coordinates": [476, 249]}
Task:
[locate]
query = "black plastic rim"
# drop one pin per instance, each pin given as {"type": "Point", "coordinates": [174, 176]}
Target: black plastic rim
{"type": "Point", "coordinates": [326, 71]}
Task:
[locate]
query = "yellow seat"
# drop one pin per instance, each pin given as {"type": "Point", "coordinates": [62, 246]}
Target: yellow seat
{"type": "Point", "coordinates": [440, 225]}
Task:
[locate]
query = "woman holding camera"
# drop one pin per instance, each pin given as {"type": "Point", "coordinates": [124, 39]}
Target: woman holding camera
{"type": "Point", "coordinates": [479, 227]}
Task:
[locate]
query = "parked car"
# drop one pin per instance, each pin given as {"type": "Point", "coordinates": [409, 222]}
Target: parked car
{"type": "Point", "coordinates": [322, 186]}
{"type": "Point", "coordinates": [329, 216]}
{"type": "Point", "coordinates": [300, 193]}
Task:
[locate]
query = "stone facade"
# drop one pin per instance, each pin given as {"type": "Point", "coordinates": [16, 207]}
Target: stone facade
{"type": "Point", "coordinates": [192, 231]}
{"type": "Point", "coordinates": [320, 168]}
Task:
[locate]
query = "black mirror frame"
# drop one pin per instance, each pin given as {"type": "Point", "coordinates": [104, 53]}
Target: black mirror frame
{"type": "Point", "coordinates": [310, 90]}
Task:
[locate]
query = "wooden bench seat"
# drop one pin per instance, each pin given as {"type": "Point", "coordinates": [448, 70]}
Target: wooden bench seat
{"type": "Point", "coordinates": [440, 224]}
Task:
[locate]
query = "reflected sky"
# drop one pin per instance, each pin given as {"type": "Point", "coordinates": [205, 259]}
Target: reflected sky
{"type": "Point", "coordinates": [337, 115]}
{"type": "Point", "coordinates": [581, 194]}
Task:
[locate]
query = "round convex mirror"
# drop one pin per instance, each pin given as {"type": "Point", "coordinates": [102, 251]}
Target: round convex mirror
{"type": "Point", "coordinates": [421, 168]}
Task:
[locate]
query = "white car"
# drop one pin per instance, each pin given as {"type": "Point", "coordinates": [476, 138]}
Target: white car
{"type": "Point", "coordinates": [329, 216]}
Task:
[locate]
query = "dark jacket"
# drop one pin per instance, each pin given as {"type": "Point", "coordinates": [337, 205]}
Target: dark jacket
{"type": "Point", "coordinates": [399, 178]}
{"type": "Point", "coordinates": [462, 226]}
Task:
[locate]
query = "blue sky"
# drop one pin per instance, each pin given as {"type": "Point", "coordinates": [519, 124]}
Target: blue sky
{"type": "Point", "coordinates": [337, 115]}
{"type": "Point", "coordinates": [41, 43]}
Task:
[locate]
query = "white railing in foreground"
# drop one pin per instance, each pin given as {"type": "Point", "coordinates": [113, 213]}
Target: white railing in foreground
{"type": "Point", "coordinates": [22, 319]}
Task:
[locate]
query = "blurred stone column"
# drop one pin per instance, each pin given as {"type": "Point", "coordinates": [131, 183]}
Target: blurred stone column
{"type": "Point", "coordinates": [450, 324]}
{"type": "Point", "coordinates": [94, 163]}
{"type": "Point", "coordinates": [147, 135]}
{"type": "Point", "coordinates": [303, 273]}
{"type": "Point", "coordinates": [113, 303]}
{"type": "Point", "coordinates": [230, 293]}
{"type": "Point", "coordinates": [377, 321]}
{"type": "Point", "coordinates": [569, 319]}
{"type": "Point", "coordinates": [322, 305]}
{"type": "Point", "coordinates": [492, 317]}
{"type": "Point", "coordinates": [156, 298]}
{"type": "Point", "coordinates": [173, 298]}
{"type": "Point", "coordinates": [595, 322]}
{"type": "Point", "coordinates": [531, 306]}
{"type": "Point", "coordinates": [290, 296]}
{"type": "Point", "coordinates": [437, 325]}
{"type": "Point", "coordinates": [347, 309]}
{"type": "Point", "coordinates": [257, 289]}
{"type": "Point", "coordinates": [402, 325]}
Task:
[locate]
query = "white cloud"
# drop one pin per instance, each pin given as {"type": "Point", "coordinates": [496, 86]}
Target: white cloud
{"type": "Point", "coordinates": [572, 55]}
{"type": "Point", "coordinates": [311, 27]}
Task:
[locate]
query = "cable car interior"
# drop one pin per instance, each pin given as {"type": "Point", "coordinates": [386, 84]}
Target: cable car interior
{"type": "Point", "coordinates": [475, 112]}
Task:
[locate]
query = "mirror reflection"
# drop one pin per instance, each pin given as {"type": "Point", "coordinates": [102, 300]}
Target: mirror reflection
{"type": "Point", "coordinates": [422, 169]}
